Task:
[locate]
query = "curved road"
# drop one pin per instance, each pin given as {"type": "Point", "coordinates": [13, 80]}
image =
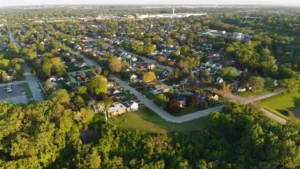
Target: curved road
{"type": "Point", "coordinates": [162, 113]}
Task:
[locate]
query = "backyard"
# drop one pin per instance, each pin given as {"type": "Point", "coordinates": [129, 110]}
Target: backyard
{"type": "Point", "coordinates": [283, 103]}
{"type": "Point", "coordinates": [145, 119]}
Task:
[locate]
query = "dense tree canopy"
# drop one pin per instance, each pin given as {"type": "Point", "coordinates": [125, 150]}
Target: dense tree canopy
{"type": "Point", "coordinates": [50, 135]}
{"type": "Point", "coordinates": [97, 85]}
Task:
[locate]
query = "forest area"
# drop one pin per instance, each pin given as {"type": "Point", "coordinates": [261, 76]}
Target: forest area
{"type": "Point", "coordinates": [50, 134]}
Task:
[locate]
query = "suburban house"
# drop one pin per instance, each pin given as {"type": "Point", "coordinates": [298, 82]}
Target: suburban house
{"type": "Point", "coordinates": [159, 89]}
{"type": "Point", "coordinates": [134, 78]}
{"type": "Point", "coordinates": [117, 108]}
{"type": "Point", "coordinates": [151, 66]}
{"type": "Point", "coordinates": [118, 95]}
{"type": "Point", "coordinates": [219, 80]}
{"type": "Point", "coordinates": [131, 105]}
{"type": "Point", "coordinates": [214, 96]}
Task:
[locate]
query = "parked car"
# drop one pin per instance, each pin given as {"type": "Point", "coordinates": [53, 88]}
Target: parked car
{"type": "Point", "coordinates": [9, 90]}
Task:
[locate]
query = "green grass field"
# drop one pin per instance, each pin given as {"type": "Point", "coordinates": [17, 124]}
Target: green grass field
{"type": "Point", "coordinates": [282, 103]}
{"type": "Point", "coordinates": [187, 110]}
{"type": "Point", "coordinates": [27, 91]}
{"type": "Point", "coordinates": [146, 120]}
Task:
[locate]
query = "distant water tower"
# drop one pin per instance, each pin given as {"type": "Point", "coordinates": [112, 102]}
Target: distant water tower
{"type": "Point", "coordinates": [173, 11]}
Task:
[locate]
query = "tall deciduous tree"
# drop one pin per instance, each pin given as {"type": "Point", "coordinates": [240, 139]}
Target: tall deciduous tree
{"type": "Point", "coordinates": [149, 77]}
{"type": "Point", "coordinates": [97, 85]}
{"type": "Point", "coordinates": [115, 64]}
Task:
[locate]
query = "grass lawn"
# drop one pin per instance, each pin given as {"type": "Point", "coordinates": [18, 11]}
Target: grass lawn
{"type": "Point", "coordinates": [157, 71]}
{"type": "Point", "coordinates": [146, 120]}
{"type": "Point", "coordinates": [282, 103]}
{"type": "Point", "coordinates": [27, 91]}
{"type": "Point", "coordinates": [187, 110]}
{"type": "Point", "coordinates": [148, 95]}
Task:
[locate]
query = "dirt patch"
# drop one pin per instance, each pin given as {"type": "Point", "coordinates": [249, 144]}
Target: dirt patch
{"type": "Point", "coordinates": [296, 112]}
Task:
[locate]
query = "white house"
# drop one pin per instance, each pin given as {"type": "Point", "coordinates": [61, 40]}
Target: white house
{"type": "Point", "coordinates": [115, 109]}
{"type": "Point", "coordinates": [131, 105]}
{"type": "Point", "coordinates": [134, 59]}
{"type": "Point", "coordinates": [52, 79]}
{"type": "Point", "coordinates": [133, 78]}
{"type": "Point", "coordinates": [220, 80]}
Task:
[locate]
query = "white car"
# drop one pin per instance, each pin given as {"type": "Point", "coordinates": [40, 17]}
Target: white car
{"type": "Point", "coordinates": [9, 90]}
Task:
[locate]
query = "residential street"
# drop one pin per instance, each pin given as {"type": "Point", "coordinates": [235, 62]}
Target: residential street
{"type": "Point", "coordinates": [275, 117]}
{"type": "Point", "coordinates": [165, 115]}
{"type": "Point", "coordinates": [30, 79]}
{"type": "Point", "coordinates": [162, 113]}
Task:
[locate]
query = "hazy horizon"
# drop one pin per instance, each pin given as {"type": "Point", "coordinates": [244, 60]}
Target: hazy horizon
{"type": "Point", "coordinates": [152, 2]}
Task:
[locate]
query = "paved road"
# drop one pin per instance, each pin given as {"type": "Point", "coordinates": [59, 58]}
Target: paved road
{"type": "Point", "coordinates": [243, 100]}
{"type": "Point", "coordinates": [275, 117]}
{"type": "Point", "coordinates": [165, 115]}
{"type": "Point", "coordinates": [33, 84]}
{"type": "Point", "coordinates": [30, 79]}
{"type": "Point", "coordinates": [161, 112]}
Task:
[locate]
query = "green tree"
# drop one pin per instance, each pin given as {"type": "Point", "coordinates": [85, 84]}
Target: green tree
{"type": "Point", "coordinates": [229, 73]}
{"type": "Point", "coordinates": [291, 85]}
{"type": "Point", "coordinates": [61, 96]}
{"type": "Point", "coordinates": [97, 85]}
{"type": "Point", "coordinates": [13, 49]}
{"type": "Point", "coordinates": [115, 64]}
{"type": "Point", "coordinates": [160, 99]}
{"type": "Point", "coordinates": [257, 83]}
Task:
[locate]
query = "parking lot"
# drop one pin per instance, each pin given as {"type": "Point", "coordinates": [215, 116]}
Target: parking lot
{"type": "Point", "coordinates": [16, 96]}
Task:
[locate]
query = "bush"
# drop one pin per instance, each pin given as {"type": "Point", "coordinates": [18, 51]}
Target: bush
{"type": "Point", "coordinates": [173, 107]}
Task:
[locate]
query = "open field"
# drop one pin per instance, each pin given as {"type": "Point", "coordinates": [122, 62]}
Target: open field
{"type": "Point", "coordinates": [283, 103]}
{"type": "Point", "coordinates": [145, 119]}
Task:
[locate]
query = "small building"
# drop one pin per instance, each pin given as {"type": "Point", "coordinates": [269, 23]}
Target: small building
{"type": "Point", "coordinates": [131, 105]}
{"type": "Point", "coordinates": [219, 80]}
{"type": "Point", "coordinates": [214, 96]}
{"type": "Point", "coordinates": [151, 66]}
{"type": "Point", "coordinates": [160, 89]}
{"type": "Point", "coordinates": [52, 79]}
{"type": "Point", "coordinates": [118, 95]}
{"type": "Point", "coordinates": [134, 78]}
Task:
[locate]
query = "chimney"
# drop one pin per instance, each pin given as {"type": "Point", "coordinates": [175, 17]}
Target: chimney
{"type": "Point", "coordinates": [173, 11]}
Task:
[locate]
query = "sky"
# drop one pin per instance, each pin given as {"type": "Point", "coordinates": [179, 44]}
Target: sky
{"type": "Point", "coordinates": [175, 2]}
